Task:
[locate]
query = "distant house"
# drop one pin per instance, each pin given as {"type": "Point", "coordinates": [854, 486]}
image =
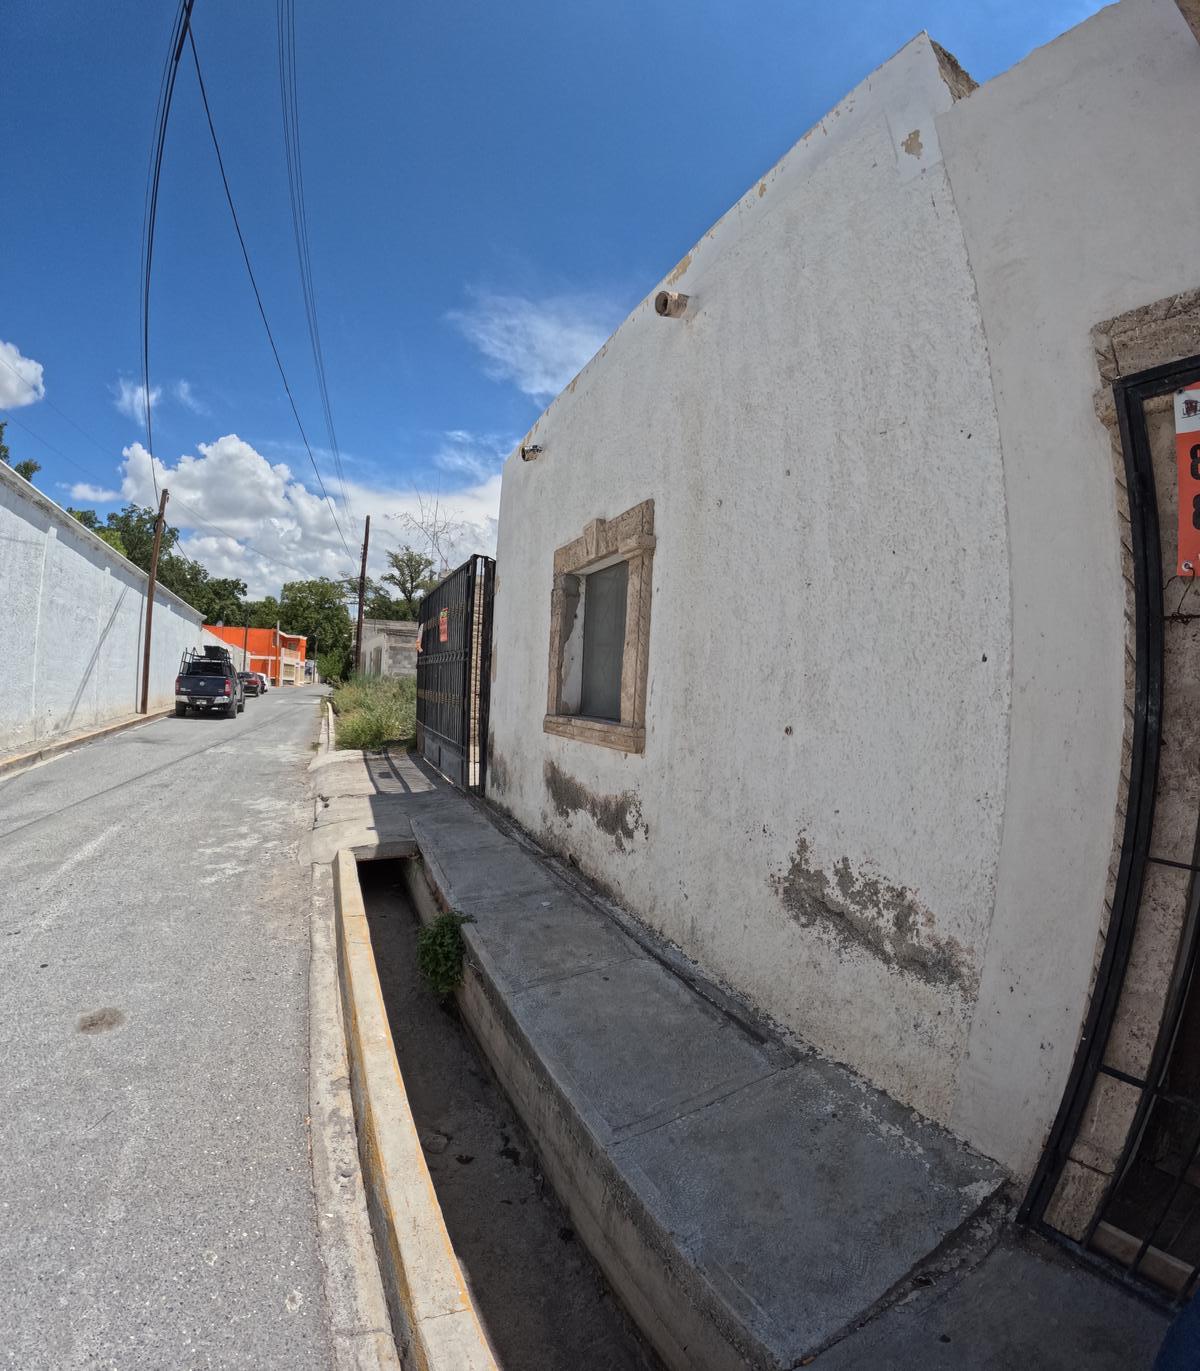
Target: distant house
{"type": "Point", "coordinates": [279, 656]}
{"type": "Point", "coordinates": [389, 647]}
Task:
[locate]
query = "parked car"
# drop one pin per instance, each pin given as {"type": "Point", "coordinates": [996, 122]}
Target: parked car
{"type": "Point", "coordinates": [208, 683]}
{"type": "Point", "coordinates": [251, 682]}
{"type": "Point", "coordinates": [263, 679]}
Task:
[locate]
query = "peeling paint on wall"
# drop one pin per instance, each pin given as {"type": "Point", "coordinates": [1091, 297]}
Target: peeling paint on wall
{"type": "Point", "coordinates": [620, 816]}
{"type": "Point", "coordinates": [868, 914]}
{"type": "Point", "coordinates": [912, 144]}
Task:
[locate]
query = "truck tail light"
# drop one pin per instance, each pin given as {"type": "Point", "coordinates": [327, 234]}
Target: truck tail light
{"type": "Point", "coordinates": [228, 687]}
{"type": "Point", "coordinates": [178, 685]}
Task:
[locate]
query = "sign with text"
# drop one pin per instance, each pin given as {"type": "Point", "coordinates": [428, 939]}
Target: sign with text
{"type": "Point", "coordinates": [1187, 452]}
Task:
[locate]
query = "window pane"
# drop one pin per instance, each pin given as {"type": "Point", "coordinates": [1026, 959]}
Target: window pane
{"type": "Point", "coordinates": [603, 641]}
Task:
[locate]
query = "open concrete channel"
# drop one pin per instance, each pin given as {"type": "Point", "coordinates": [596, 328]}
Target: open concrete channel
{"type": "Point", "coordinates": [540, 1296]}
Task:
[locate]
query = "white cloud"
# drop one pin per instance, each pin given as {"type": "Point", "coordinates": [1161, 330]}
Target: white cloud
{"type": "Point", "coordinates": [537, 344]}
{"type": "Point", "coordinates": [21, 380]}
{"type": "Point", "coordinates": [130, 398]}
{"type": "Point", "coordinates": [271, 528]}
{"type": "Point", "coordinates": [96, 494]}
{"type": "Point", "coordinates": [187, 397]}
{"type": "Point", "coordinates": [472, 456]}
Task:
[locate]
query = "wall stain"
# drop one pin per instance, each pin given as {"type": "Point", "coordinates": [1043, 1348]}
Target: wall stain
{"type": "Point", "coordinates": [620, 816]}
{"type": "Point", "coordinates": [680, 268]}
{"type": "Point", "coordinates": [912, 144]}
{"type": "Point", "coordinates": [100, 1020]}
{"type": "Point", "coordinates": [497, 767]}
{"type": "Point", "coordinates": [863, 912]}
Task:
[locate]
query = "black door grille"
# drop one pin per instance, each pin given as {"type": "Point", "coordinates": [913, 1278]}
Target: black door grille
{"type": "Point", "coordinates": [1148, 1220]}
{"type": "Point", "coordinates": [454, 672]}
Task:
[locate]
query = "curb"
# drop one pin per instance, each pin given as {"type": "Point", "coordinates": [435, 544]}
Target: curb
{"type": "Point", "coordinates": [24, 760]}
{"type": "Point", "coordinates": [360, 1326]}
{"type": "Point", "coordinates": [433, 1316]}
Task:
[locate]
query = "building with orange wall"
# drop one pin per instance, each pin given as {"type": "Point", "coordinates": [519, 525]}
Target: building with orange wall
{"type": "Point", "coordinates": [279, 656]}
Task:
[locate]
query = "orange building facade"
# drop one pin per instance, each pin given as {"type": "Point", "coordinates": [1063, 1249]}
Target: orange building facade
{"type": "Point", "coordinates": [279, 656]}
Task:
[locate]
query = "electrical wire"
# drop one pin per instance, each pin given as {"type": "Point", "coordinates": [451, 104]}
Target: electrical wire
{"type": "Point", "coordinates": [290, 107]}
{"type": "Point", "coordinates": [179, 31]}
{"type": "Point", "coordinates": [92, 475]}
{"type": "Point", "coordinates": [257, 296]}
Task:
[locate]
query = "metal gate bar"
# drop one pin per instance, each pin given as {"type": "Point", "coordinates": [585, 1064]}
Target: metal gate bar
{"type": "Point", "coordinates": [454, 641]}
{"type": "Point", "coordinates": [1130, 395]}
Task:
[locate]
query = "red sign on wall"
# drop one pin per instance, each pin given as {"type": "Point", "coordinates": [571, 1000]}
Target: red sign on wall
{"type": "Point", "coordinates": [444, 623]}
{"type": "Point", "coordinates": [1187, 452]}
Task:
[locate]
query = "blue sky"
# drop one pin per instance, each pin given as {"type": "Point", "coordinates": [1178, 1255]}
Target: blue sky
{"type": "Point", "coordinates": [490, 189]}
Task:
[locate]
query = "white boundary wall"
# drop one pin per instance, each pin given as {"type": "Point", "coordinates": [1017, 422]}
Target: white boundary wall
{"type": "Point", "coordinates": [72, 614]}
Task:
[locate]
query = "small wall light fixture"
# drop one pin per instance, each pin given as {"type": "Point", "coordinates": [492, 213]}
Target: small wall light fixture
{"type": "Point", "coordinates": [671, 304]}
{"type": "Point", "coordinates": [530, 452]}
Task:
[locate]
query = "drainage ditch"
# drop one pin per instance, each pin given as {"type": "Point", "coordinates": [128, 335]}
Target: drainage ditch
{"type": "Point", "coordinates": [540, 1296]}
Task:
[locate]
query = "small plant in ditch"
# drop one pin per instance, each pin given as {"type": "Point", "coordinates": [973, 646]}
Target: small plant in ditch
{"type": "Point", "coordinates": [440, 953]}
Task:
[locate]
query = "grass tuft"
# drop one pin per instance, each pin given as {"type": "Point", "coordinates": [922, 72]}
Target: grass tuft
{"type": "Point", "coordinates": [375, 711]}
{"type": "Point", "coordinates": [440, 953]}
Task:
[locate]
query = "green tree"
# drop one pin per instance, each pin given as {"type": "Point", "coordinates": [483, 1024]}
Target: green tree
{"type": "Point", "coordinates": [91, 520]}
{"type": "Point", "coordinates": [411, 573]}
{"type": "Point", "coordinates": [263, 613]}
{"type": "Point", "coordinates": [135, 527]}
{"type": "Point", "coordinates": [28, 468]}
{"type": "Point", "coordinates": [378, 603]}
{"type": "Point", "coordinates": [318, 610]}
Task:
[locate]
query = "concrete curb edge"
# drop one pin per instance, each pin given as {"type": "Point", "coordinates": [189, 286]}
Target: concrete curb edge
{"type": "Point", "coordinates": [23, 760]}
{"type": "Point", "coordinates": [433, 1315]}
{"type": "Point", "coordinates": [360, 1326]}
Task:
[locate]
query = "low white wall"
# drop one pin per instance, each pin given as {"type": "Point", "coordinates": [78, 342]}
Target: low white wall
{"type": "Point", "coordinates": [72, 613]}
{"type": "Point", "coordinates": [817, 814]}
{"type": "Point", "coordinates": [1074, 177]}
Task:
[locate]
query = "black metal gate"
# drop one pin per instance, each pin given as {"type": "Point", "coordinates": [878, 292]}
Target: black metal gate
{"type": "Point", "coordinates": [1148, 1219]}
{"type": "Point", "coordinates": [454, 661]}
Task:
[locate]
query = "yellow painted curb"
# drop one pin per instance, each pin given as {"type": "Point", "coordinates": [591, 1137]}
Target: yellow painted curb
{"type": "Point", "coordinates": [56, 745]}
{"type": "Point", "coordinates": [434, 1319]}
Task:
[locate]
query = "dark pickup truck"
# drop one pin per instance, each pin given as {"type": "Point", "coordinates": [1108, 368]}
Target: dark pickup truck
{"type": "Point", "coordinates": [208, 683]}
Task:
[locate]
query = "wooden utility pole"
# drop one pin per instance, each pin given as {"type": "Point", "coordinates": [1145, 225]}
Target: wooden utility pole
{"type": "Point", "coordinates": [158, 533]}
{"type": "Point", "coordinates": [362, 595]}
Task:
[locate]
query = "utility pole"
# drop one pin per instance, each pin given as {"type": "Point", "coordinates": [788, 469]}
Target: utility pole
{"type": "Point", "coordinates": [362, 595]}
{"type": "Point", "coordinates": [158, 533]}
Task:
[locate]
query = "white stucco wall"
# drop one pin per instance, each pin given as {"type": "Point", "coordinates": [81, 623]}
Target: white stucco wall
{"type": "Point", "coordinates": [817, 814]}
{"type": "Point", "coordinates": [72, 613]}
{"type": "Point", "coordinates": [1074, 176]}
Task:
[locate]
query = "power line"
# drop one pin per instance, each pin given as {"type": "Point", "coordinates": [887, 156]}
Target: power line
{"type": "Point", "coordinates": [290, 106]}
{"type": "Point", "coordinates": [257, 296]}
{"type": "Point", "coordinates": [166, 93]}
{"type": "Point", "coordinates": [92, 475]}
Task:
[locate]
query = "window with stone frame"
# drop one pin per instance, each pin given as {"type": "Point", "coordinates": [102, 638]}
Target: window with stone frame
{"type": "Point", "coordinates": [600, 632]}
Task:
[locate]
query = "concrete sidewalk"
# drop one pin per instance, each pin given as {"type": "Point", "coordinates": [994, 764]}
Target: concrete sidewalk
{"type": "Point", "coordinates": [751, 1204]}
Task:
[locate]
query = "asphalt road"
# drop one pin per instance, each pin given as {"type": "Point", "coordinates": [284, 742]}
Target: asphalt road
{"type": "Point", "coordinates": [156, 1206]}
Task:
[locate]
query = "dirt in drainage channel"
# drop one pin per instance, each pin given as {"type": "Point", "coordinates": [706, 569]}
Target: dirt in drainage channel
{"type": "Point", "coordinates": [541, 1297]}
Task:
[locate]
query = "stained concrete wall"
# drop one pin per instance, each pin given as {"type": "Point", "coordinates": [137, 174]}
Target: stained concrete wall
{"type": "Point", "coordinates": [880, 798]}
{"type": "Point", "coordinates": [817, 814]}
{"type": "Point", "coordinates": [72, 613]}
{"type": "Point", "coordinates": [1074, 179]}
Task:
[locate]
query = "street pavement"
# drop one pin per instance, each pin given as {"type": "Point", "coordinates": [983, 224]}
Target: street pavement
{"type": "Point", "coordinates": [156, 1205]}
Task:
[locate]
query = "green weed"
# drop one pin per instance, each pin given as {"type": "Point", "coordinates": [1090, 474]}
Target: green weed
{"type": "Point", "coordinates": [375, 711]}
{"type": "Point", "coordinates": [440, 953]}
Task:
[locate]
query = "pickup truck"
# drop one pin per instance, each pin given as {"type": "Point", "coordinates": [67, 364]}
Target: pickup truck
{"type": "Point", "coordinates": [208, 683]}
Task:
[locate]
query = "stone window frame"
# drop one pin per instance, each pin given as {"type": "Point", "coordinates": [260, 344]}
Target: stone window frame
{"type": "Point", "coordinates": [629, 537]}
